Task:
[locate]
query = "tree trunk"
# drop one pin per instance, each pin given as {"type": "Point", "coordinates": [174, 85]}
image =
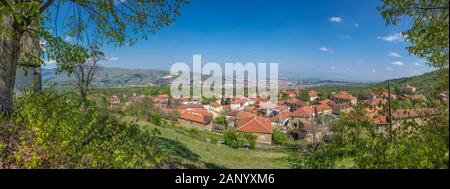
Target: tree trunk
{"type": "Point", "coordinates": [9, 56]}
{"type": "Point", "coordinates": [37, 79]}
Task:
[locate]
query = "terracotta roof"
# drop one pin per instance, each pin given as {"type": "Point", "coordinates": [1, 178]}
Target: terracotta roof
{"type": "Point", "coordinates": [294, 101]}
{"type": "Point", "coordinates": [323, 108]}
{"type": "Point", "coordinates": [266, 105]}
{"type": "Point", "coordinates": [281, 117]}
{"type": "Point", "coordinates": [239, 101]}
{"type": "Point", "coordinates": [189, 106]}
{"type": "Point", "coordinates": [244, 115]}
{"type": "Point", "coordinates": [386, 95]}
{"type": "Point", "coordinates": [215, 104]}
{"type": "Point", "coordinates": [226, 107]}
{"type": "Point", "coordinates": [282, 107]}
{"type": "Point", "coordinates": [328, 102]}
{"type": "Point", "coordinates": [259, 99]}
{"type": "Point", "coordinates": [312, 94]}
{"type": "Point", "coordinates": [413, 113]}
{"type": "Point", "coordinates": [255, 125]}
{"type": "Point", "coordinates": [377, 102]}
{"type": "Point", "coordinates": [344, 95]}
{"type": "Point", "coordinates": [305, 112]}
{"type": "Point", "coordinates": [196, 116]}
{"type": "Point", "coordinates": [379, 120]}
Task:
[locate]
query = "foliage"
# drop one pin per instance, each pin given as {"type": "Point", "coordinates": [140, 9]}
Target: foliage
{"type": "Point", "coordinates": [428, 34]}
{"type": "Point", "coordinates": [156, 118]}
{"type": "Point", "coordinates": [232, 138]}
{"type": "Point", "coordinates": [356, 138]}
{"type": "Point", "coordinates": [49, 131]}
{"type": "Point", "coordinates": [236, 139]}
{"type": "Point", "coordinates": [279, 138]}
{"type": "Point", "coordinates": [219, 120]}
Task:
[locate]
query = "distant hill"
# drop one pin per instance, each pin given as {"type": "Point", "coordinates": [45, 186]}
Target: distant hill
{"type": "Point", "coordinates": [107, 76]}
{"type": "Point", "coordinates": [424, 83]}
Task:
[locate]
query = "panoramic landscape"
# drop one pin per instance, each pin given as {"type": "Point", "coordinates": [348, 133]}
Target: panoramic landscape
{"type": "Point", "coordinates": [139, 84]}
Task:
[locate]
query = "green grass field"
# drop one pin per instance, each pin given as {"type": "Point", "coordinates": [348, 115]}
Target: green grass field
{"type": "Point", "coordinates": [185, 148]}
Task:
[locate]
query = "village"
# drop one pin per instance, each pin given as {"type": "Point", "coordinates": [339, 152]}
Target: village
{"type": "Point", "coordinates": [297, 119]}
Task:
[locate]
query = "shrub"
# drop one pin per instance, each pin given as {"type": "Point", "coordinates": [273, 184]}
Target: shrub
{"type": "Point", "coordinates": [279, 138]}
{"type": "Point", "coordinates": [49, 131]}
{"type": "Point", "coordinates": [232, 138]}
{"type": "Point", "coordinates": [235, 139]}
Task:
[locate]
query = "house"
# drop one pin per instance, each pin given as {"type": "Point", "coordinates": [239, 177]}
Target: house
{"type": "Point", "coordinates": [385, 95]}
{"type": "Point", "coordinates": [238, 104]}
{"type": "Point", "coordinates": [408, 89]}
{"type": "Point", "coordinates": [328, 102]}
{"type": "Point", "coordinates": [282, 119]}
{"type": "Point", "coordinates": [114, 99]}
{"type": "Point", "coordinates": [195, 119]}
{"type": "Point", "coordinates": [323, 109]}
{"type": "Point", "coordinates": [342, 108]}
{"type": "Point", "coordinates": [344, 97]}
{"type": "Point", "coordinates": [313, 95]}
{"type": "Point", "coordinates": [303, 114]}
{"type": "Point", "coordinates": [260, 127]}
{"type": "Point", "coordinates": [190, 107]}
{"type": "Point", "coordinates": [294, 103]}
{"type": "Point", "coordinates": [216, 107]}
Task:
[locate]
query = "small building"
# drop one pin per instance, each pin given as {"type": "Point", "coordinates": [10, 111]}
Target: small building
{"type": "Point", "coordinates": [323, 109]}
{"type": "Point", "coordinates": [260, 127]}
{"type": "Point", "coordinates": [195, 119]}
{"type": "Point", "coordinates": [342, 108]}
{"type": "Point", "coordinates": [345, 97]}
{"type": "Point", "coordinates": [216, 107]}
{"type": "Point", "coordinates": [313, 95]}
{"type": "Point", "coordinates": [408, 89]}
{"type": "Point", "coordinates": [303, 114]}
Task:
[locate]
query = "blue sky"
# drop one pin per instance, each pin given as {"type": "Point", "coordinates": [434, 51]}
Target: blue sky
{"type": "Point", "coordinates": [324, 39]}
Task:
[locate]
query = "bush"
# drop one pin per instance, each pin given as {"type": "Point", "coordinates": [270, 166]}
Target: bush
{"type": "Point", "coordinates": [279, 138]}
{"type": "Point", "coordinates": [232, 138]}
{"type": "Point", "coordinates": [235, 139]}
{"type": "Point", "coordinates": [49, 131]}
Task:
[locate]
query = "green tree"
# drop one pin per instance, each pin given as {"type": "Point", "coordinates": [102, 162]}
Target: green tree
{"type": "Point", "coordinates": [279, 138]}
{"type": "Point", "coordinates": [116, 22]}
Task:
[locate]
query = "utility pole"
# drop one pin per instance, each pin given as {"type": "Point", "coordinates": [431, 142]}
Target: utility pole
{"type": "Point", "coordinates": [390, 110]}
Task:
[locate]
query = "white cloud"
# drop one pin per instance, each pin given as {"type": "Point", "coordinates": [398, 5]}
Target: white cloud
{"type": "Point", "coordinates": [333, 67]}
{"type": "Point", "coordinates": [393, 37]}
{"type": "Point", "coordinates": [336, 19]}
{"type": "Point", "coordinates": [356, 25]}
{"type": "Point", "coordinates": [416, 64]}
{"type": "Point", "coordinates": [397, 63]}
{"type": "Point", "coordinates": [373, 71]}
{"type": "Point", "coordinates": [388, 68]}
{"type": "Point", "coordinates": [394, 54]}
{"type": "Point", "coordinates": [325, 49]}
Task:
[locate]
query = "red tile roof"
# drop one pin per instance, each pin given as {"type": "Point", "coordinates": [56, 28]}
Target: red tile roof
{"type": "Point", "coordinates": [215, 104]}
{"type": "Point", "coordinates": [281, 117]}
{"type": "Point", "coordinates": [196, 116]}
{"type": "Point", "coordinates": [344, 95]}
{"type": "Point", "coordinates": [312, 94]}
{"type": "Point", "coordinates": [413, 113]}
{"type": "Point", "coordinates": [305, 112]}
{"type": "Point", "coordinates": [328, 102]}
{"type": "Point", "coordinates": [244, 115]}
{"type": "Point", "coordinates": [255, 125]}
{"type": "Point", "coordinates": [323, 108]}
